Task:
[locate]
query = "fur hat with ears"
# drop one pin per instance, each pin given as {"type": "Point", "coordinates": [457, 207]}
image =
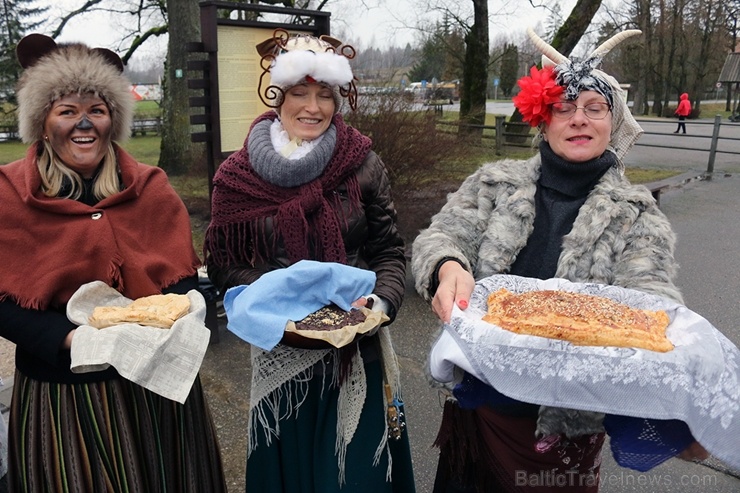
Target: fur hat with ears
{"type": "Point", "coordinates": [53, 71]}
{"type": "Point", "coordinates": [305, 59]}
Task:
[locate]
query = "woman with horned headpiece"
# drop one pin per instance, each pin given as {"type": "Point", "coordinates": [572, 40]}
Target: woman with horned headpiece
{"type": "Point", "coordinates": [568, 212]}
{"type": "Point", "coordinates": [307, 192]}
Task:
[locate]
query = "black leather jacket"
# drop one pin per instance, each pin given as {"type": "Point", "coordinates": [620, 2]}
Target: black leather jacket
{"type": "Point", "coordinates": [371, 240]}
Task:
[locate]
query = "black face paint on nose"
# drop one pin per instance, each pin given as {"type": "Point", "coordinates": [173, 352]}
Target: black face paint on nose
{"type": "Point", "coordinates": [84, 124]}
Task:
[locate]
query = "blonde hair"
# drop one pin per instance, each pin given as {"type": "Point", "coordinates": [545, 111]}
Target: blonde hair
{"type": "Point", "coordinates": [55, 174]}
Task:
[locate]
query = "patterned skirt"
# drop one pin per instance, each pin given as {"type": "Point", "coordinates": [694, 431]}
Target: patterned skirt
{"type": "Point", "coordinates": [111, 436]}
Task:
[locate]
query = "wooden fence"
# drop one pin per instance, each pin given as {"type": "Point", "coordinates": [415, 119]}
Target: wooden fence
{"type": "Point", "coordinates": [512, 134]}
{"type": "Point", "coordinates": [140, 126]}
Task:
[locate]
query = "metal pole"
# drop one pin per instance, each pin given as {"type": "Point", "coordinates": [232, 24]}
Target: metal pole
{"type": "Point", "coordinates": [713, 146]}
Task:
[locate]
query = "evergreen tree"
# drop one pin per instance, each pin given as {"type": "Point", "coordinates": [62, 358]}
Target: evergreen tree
{"type": "Point", "coordinates": [431, 63]}
{"type": "Point", "coordinates": [16, 20]}
{"type": "Point", "coordinates": [441, 55]}
{"type": "Point", "coordinates": [509, 68]}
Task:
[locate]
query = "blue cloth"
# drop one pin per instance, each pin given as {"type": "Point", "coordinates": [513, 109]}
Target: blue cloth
{"type": "Point", "coordinates": [257, 313]}
{"type": "Point", "coordinates": [643, 444]}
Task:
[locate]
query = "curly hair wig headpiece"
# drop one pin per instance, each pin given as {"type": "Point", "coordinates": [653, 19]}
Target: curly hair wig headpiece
{"type": "Point", "coordinates": [290, 61]}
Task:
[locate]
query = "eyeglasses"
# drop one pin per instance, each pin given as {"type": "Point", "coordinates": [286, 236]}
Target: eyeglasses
{"type": "Point", "coordinates": [566, 110]}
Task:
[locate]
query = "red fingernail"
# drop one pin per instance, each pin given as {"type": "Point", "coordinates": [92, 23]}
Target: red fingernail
{"type": "Point", "coordinates": [462, 304]}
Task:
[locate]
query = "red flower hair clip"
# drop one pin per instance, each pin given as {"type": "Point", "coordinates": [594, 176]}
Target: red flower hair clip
{"type": "Point", "coordinates": [538, 92]}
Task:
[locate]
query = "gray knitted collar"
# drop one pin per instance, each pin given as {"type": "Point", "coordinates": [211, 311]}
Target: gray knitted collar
{"type": "Point", "coordinates": [283, 172]}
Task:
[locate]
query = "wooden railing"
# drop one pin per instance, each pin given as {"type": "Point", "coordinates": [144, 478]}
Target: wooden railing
{"type": "Point", "coordinates": [140, 126]}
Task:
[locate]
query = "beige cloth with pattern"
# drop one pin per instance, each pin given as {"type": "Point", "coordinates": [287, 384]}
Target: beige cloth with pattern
{"type": "Point", "coordinates": [164, 361]}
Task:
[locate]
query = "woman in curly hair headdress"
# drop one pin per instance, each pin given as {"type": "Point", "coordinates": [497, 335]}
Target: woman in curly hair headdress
{"type": "Point", "coordinates": [308, 187]}
{"type": "Point", "coordinates": [568, 212]}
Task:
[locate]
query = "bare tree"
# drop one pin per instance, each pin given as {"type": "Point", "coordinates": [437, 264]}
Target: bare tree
{"type": "Point", "coordinates": [709, 18]}
{"type": "Point", "coordinates": [180, 19]}
{"type": "Point", "coordinates": [575, 26]}
{"type": "Point", "coordinates": [177, 153]}
{"type": "Point", "coordinates": [684, 44]}
{"type": "Point", "coordinates": [475, 69]}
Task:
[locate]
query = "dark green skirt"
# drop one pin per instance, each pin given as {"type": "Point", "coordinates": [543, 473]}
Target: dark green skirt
{"type": "Point", "coordinates": [302, 458]}
{"type": "Point", "coordinates": [112, 436]}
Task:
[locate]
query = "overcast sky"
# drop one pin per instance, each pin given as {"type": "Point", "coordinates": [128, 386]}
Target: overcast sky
{"type": "Point", "coordinates": [378, 23]}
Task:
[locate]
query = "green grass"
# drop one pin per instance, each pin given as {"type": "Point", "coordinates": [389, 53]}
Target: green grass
{"type": "Point", "coordinates": [147, 108]}
{"type": "Point", "coordinates": [144, 149]}
{"type": "Point", "coordinates": [12, 151]}
{"type": "Point", "coordinates": [640, 175]}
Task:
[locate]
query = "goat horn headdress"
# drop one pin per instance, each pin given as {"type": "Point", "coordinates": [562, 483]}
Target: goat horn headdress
{"type": "Point", "coordinates": [561, 77]}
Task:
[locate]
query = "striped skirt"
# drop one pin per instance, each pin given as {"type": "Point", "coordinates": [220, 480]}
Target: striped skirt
{"type": "Point", "coordinates": [111, 436]}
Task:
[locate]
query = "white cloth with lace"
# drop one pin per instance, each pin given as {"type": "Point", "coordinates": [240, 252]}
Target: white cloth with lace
{"type": "Point", "coordinates": [698, 382]}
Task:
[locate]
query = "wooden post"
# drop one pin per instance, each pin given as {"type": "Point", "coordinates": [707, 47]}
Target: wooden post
{"type": "Point", "coordinates": [713, 146]}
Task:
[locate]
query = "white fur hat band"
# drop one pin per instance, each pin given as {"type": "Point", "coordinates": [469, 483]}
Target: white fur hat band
{"type": "Point", "coordinates": [53, 71]}
{"type": "Point", "coordinates": [293, 67]}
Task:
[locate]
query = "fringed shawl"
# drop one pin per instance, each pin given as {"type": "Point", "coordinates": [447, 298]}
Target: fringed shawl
{"type": "Point", "coordinates": [138, 240]}
{"type": "Point", "coordinates": [303, 218]}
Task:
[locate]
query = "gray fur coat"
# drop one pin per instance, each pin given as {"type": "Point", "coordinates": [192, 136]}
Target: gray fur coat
{"type": "Point", "coordinates": [619, 237]}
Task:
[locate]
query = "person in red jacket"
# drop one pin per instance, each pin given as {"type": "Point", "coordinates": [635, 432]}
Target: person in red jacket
{"type": "Point", "coordinates": [683, 110]}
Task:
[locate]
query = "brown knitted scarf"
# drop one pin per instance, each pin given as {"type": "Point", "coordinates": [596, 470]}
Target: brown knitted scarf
{"type": "Point", "coordinates": [304, 217]}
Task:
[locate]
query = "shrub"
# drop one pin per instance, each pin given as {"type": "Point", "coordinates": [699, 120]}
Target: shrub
{"type": "Point", "coordinates": [405, 137]}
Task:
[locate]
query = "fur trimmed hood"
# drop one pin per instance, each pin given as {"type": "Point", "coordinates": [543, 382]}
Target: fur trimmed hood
{"type": "Point", "coordinates": [56, 70]}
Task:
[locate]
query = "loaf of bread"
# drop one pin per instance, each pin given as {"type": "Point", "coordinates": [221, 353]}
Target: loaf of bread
{"type": "Point", "coordinates": [581, 319]}
{"type": "Point", "coordinates": [159, 310]}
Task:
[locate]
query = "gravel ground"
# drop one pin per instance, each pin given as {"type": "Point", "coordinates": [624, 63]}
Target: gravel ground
{"type": "Point", "coordinates": [7, 359]}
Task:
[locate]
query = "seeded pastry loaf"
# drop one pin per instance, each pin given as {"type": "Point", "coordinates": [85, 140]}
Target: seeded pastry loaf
{"type": "Point", "coordinates": [159, 310]}
{"type": "Point", "coordinates": [581, 319]}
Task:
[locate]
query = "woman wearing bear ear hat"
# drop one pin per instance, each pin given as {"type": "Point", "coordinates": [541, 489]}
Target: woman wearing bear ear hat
{"type": "Point", "coordinates": [568, 212]}
{"type": "Point", "coordinates": [307, 187]}
{"type": "Point", "coordinates": [78, 209]}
